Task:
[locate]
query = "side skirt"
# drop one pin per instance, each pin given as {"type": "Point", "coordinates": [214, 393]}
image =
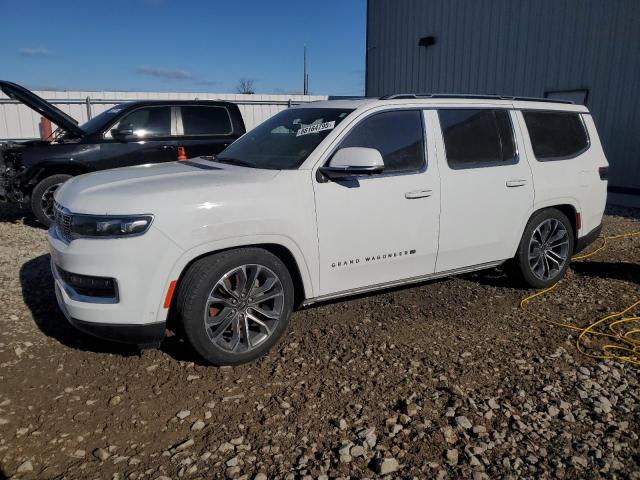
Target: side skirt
{"type": "Point", "coordinates": [398, 283]}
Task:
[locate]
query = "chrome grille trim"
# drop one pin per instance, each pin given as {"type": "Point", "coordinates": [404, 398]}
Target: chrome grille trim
{"type": "Point", "coordinates": [62, 219]}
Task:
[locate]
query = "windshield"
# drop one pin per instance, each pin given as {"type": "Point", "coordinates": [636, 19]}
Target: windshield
{"type": "Point", "coordinates": [285, 140]}
{"type": "Point", "coordinates": [97, 122]}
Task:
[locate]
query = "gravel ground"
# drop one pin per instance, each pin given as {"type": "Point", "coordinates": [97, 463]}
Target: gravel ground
{"type": "Point", "coordinates": [447, 379]}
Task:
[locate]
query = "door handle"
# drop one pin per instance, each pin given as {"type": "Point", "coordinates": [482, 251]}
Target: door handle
{"type": "Point", "coordinates": [418, 194]}
{"type": "Point", "coordinates": [516, 183]}
{"type": "Point", "coordinates": [168, 147]}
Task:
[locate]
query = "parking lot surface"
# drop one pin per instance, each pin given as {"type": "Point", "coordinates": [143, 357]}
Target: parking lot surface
{"type": "Point", "coordinates": [445, 379]}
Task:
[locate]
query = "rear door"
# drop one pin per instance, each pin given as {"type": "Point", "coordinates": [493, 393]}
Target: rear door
{"type": "Point", "coordinates": [487, 188]}
{"type": "Point", "coordinates": [204, 129]}
{"type": "Point", "coordinates": [152, 140]}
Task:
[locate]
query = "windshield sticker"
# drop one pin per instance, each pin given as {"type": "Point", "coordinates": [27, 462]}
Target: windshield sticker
{"type": "Point", "coordinates": [316, 128]}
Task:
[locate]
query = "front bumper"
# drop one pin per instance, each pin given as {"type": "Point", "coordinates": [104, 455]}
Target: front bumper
{"type": "Point", "coordinates": [139, 265]}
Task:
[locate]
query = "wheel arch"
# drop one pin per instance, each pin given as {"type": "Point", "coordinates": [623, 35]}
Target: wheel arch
{"type": "Point", "coordinates": [53, 168]}
{"type": "Point", "coordinates": [289, 254]}
{"type": "Point", "coordinates": [568, 207]}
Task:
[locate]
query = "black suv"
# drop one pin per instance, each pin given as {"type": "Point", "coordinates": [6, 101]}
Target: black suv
{"type": "Point", "coordinates": [130, 133]}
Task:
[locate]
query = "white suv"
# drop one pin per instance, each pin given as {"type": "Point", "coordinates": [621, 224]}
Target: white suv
{"type": "Point", "coordinates": [321, 201]}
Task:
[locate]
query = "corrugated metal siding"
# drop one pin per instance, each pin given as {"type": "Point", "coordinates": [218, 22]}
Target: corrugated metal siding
{"type": "Point", "coordinates": [18, 121]}
{"type": "Point", "coordinates": [518, 47]}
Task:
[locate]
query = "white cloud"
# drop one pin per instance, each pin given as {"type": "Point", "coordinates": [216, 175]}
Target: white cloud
{"type": "Point", "coordinates": [164, 73]}
{"type": "Point", "coordinates": [34, 52]}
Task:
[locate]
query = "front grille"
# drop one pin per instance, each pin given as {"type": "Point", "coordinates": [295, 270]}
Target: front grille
{"type": "Point", "coordinates": [62, 220]}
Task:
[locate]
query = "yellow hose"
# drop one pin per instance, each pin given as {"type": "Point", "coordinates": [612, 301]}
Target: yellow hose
{"type": "Point", "coordinates": [623, 330]}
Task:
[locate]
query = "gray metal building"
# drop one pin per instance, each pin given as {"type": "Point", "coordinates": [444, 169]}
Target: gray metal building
{"type": "Point", "coordinates": [587, 51]}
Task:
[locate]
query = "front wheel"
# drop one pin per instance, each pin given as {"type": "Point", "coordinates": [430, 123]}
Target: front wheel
{"type": "Point", "coordinates": [42, 197]}
{"type": "Point", "coordinates": [235, 305]}
{"type": "Point", "coordinates": [545, 250]}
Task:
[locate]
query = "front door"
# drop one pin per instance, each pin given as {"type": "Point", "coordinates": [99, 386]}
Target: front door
{"type": "Point", "coordinates": [381, 228]}
{"type": "Point", "coordinates": [152, 140]}
{"type": "Point", "coordinates": [487, 187]}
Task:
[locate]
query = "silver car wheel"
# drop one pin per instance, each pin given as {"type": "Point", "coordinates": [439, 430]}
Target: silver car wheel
{"type": "Point", "coordinates": [47, 200]}
{"type": "Point", "coordinates": [243, 308]}
{"type": "Point", "coordinates": [548, 249]}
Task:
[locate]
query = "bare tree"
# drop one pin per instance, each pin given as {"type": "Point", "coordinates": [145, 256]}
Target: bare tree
{"type": "Point", "coordinates": [246, 85]}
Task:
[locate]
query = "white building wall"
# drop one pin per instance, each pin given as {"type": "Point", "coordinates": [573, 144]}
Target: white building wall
{"type": "Point", "coordinates": [20, 122]}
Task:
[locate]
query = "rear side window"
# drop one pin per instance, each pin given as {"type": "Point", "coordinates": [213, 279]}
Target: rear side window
{"type": "Point", "coordinates": [398, 136]}
{"type": "Point", "coordinates": [476, 138]}
{"type": "Point", "coordinates": [556, 135]}
{"type": "Point", "coordinates": [203, 120]}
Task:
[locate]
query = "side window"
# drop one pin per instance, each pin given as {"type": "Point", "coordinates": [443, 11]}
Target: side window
{"type": "Point", "coordinates": [556, 135]}
{"type": "Point", "coordinates": [147, 122]}
{"type": "Point", "coordinates": [203, 120]}
{"type": "Point", "coordinates": [476, 138]}
{"type": "Point", "coordinates": [398, 136]}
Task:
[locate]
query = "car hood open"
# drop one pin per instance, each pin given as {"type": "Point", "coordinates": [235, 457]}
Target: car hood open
{"type": "Point", "coordinates": [44, 108]}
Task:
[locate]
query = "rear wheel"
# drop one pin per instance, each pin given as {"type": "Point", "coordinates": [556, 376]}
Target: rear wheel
{"type": "Point", "coordinates": [42, 198]}
{"type": "Point", "coordinates": [545, 250]}
{"type": "Point", "coordinates": [235, 305]}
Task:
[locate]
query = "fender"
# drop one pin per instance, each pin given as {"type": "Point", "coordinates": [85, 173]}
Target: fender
{"type": "Point", "coordinates": [309, 286]}
{"type": "Point", "coordinates": [542, 204]}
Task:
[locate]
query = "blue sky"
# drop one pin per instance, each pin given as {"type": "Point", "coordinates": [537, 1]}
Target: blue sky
{"type": "Point", "coordinates": [184, 46]}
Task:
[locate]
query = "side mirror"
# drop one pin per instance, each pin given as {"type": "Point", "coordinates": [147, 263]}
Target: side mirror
{"type": "Point", "coordinates": [122, 133]}
{"type": "Point", "coordinates": [353, 161]}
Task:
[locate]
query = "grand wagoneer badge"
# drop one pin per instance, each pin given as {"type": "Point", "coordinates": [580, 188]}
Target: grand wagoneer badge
{"type": "Point", "coordinates": [373, 258]}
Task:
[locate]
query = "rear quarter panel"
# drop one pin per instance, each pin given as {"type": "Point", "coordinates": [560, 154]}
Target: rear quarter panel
{"type": "Point", "coordinates": [573, 181]}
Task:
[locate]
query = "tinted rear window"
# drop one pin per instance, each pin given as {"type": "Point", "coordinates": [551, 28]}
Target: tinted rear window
{"type": "Point", "coordinates": [202, 120]}
{"type": "Point", "coordinates": [477, 137]}
{"type": "Point", "coordinates": [556, 135]}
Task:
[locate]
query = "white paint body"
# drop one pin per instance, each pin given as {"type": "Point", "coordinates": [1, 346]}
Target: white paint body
{"type": "Point", "coordinates": [411, 226]}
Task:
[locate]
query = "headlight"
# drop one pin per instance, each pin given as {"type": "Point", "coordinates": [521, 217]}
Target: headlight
{"type": "Point", "coordinates": [109, 226]}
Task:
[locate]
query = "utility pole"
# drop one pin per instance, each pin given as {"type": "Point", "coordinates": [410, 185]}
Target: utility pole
{"type": "Point", "coordinates": [305, 88]}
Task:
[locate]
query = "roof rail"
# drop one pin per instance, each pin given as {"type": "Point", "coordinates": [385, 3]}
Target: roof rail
{"type": "Point", "coordinates": [470, 96]}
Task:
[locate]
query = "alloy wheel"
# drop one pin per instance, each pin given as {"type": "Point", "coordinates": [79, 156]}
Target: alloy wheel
{"type": "Point", "coordinates": [46, 201]}
{"type": "Point", "coordinates": [548, 249]}
{"type": "Point", "coordinates": [243, 308]}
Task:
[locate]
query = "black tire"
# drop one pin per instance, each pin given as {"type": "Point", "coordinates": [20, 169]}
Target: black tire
{"type": "Point", "coordinates": [521, 269]}
{"type": "Point", "coordinates": [42, 198]}
{"type": "Point", "coordinates": [202, 279]}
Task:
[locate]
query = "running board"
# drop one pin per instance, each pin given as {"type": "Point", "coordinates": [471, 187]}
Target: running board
{"type": "Point", "coordinates": [399, 283]}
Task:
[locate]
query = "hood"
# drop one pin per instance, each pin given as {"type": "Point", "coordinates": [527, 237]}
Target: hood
{"type": "Point", "coordinates": [44, 108]}
{"type": "Point", "coordinates": [147, 189]}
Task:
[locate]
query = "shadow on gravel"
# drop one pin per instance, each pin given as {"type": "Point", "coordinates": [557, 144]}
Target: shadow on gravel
{"type": "Point", "coordinates": [179, 350]}
{"type": "Point", "coordinates": [10, 213]}
{"type": "Point", "coordinates": [490, 278]}
{"type": "Point", "coordinates": [2, 475]}
{"type": "Point", "coordinates": [39, 296]}
{"type": "Point", "coordinates": [626, 271]}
